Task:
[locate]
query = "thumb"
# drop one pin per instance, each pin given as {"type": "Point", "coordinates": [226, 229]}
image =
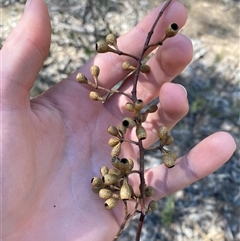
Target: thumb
{"type": "Point", "coordinates": [23, 53]}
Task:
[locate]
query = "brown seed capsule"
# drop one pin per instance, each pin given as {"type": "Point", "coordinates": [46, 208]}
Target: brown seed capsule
{"type": "Point", "coordinates": [127, 65]}
{"type": "Point", "coordinates": [171, 30]}
{"type": "Point", "coordinates": [138, 105]}
{"type": "Point", "coordinates": [104, 170]}
{"type": "Point", "coordinates": [145, 68]}
{"type": "Point", "coordinates": [81, 78]}
{"type": "Point", "coordinates": [129, 106]}
{"type": "Point", "coordinates": [95, 96]}
{"type": "Point", "coordinates": [112, 40]}
{"type": "Point", "coordinates": [95, 70]}
{"type": "Point", "coordinates": [169, 159]}
{"type": "Point", "coordinates": [143, 116]}
{"type": "Point", "coordinates": [96, 182]}
{"type": "Point", "coordinates": [141, 133]}
{"type": "Point", "coordinates": [169, 140]}
{"type": "Point", "coordinates": [122, 129]}
{"type": "Point", "coordinates": [111, 203]}
{"type": "Point", "coordinates": [125, 191]}
{"type": "Point", "coordinates": [116, 150]}
{"type": "Point", "coordinates": [102, 47]}
{"type": "Point", "coordinates": [113, 141]}
{"type": "Point", "coordinates": [128, 122]}
{"type": "Point", "coordinates": [115, 161]}
{"type": "Point", "coordinates": [105, 193]}
{"type": "Point", "coordinates": [109, 179]}
{"type": "Point", "coordinates": [115, 172]}
{"type": "Point", "coordinates": [125, 165]}
{"type": "Point", "coordinates": [162, 134]}
{"type": "Point", "coordinates": [149, 191]}
{"type": "Point", "coordinates": [96, 189]}
{"type": "Point", "coordinates": [152, 108]}
{"type": "Point", "coordinates": [152, 206]}
{"type": "Point", "coordinates": [112, 130]}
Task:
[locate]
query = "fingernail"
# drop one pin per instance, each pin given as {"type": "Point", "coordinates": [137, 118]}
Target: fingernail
{"type": "Point", "coordinates": [183, 88]}
{"type": "Point", "coordinates": [27, 4]}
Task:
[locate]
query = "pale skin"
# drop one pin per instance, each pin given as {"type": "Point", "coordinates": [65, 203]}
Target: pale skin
{"type": "Point", "coordinates": [54, 144]}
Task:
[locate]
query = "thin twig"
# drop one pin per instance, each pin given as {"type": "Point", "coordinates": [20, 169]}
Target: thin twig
{"type": "Point", "coordinates": [127, 218]}
{"type": "Point", "coordinates": [150, 33]}
{"type": "Point", "coordinates": [134, 97]}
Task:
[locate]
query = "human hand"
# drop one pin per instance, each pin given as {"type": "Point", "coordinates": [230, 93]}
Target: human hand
{"type": "Point", "coordinates": [54, 144]}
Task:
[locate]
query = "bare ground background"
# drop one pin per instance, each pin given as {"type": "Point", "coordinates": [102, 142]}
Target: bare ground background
{"type": "Point", "coordinates": [208, 210]}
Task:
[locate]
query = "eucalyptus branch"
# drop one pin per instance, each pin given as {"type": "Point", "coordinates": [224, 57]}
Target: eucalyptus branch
{"type": "Point", "coordinates": [113, 185]}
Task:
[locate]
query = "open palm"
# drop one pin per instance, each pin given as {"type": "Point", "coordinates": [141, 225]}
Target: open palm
{"type": "Point", "coordinates": [54, 144]}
